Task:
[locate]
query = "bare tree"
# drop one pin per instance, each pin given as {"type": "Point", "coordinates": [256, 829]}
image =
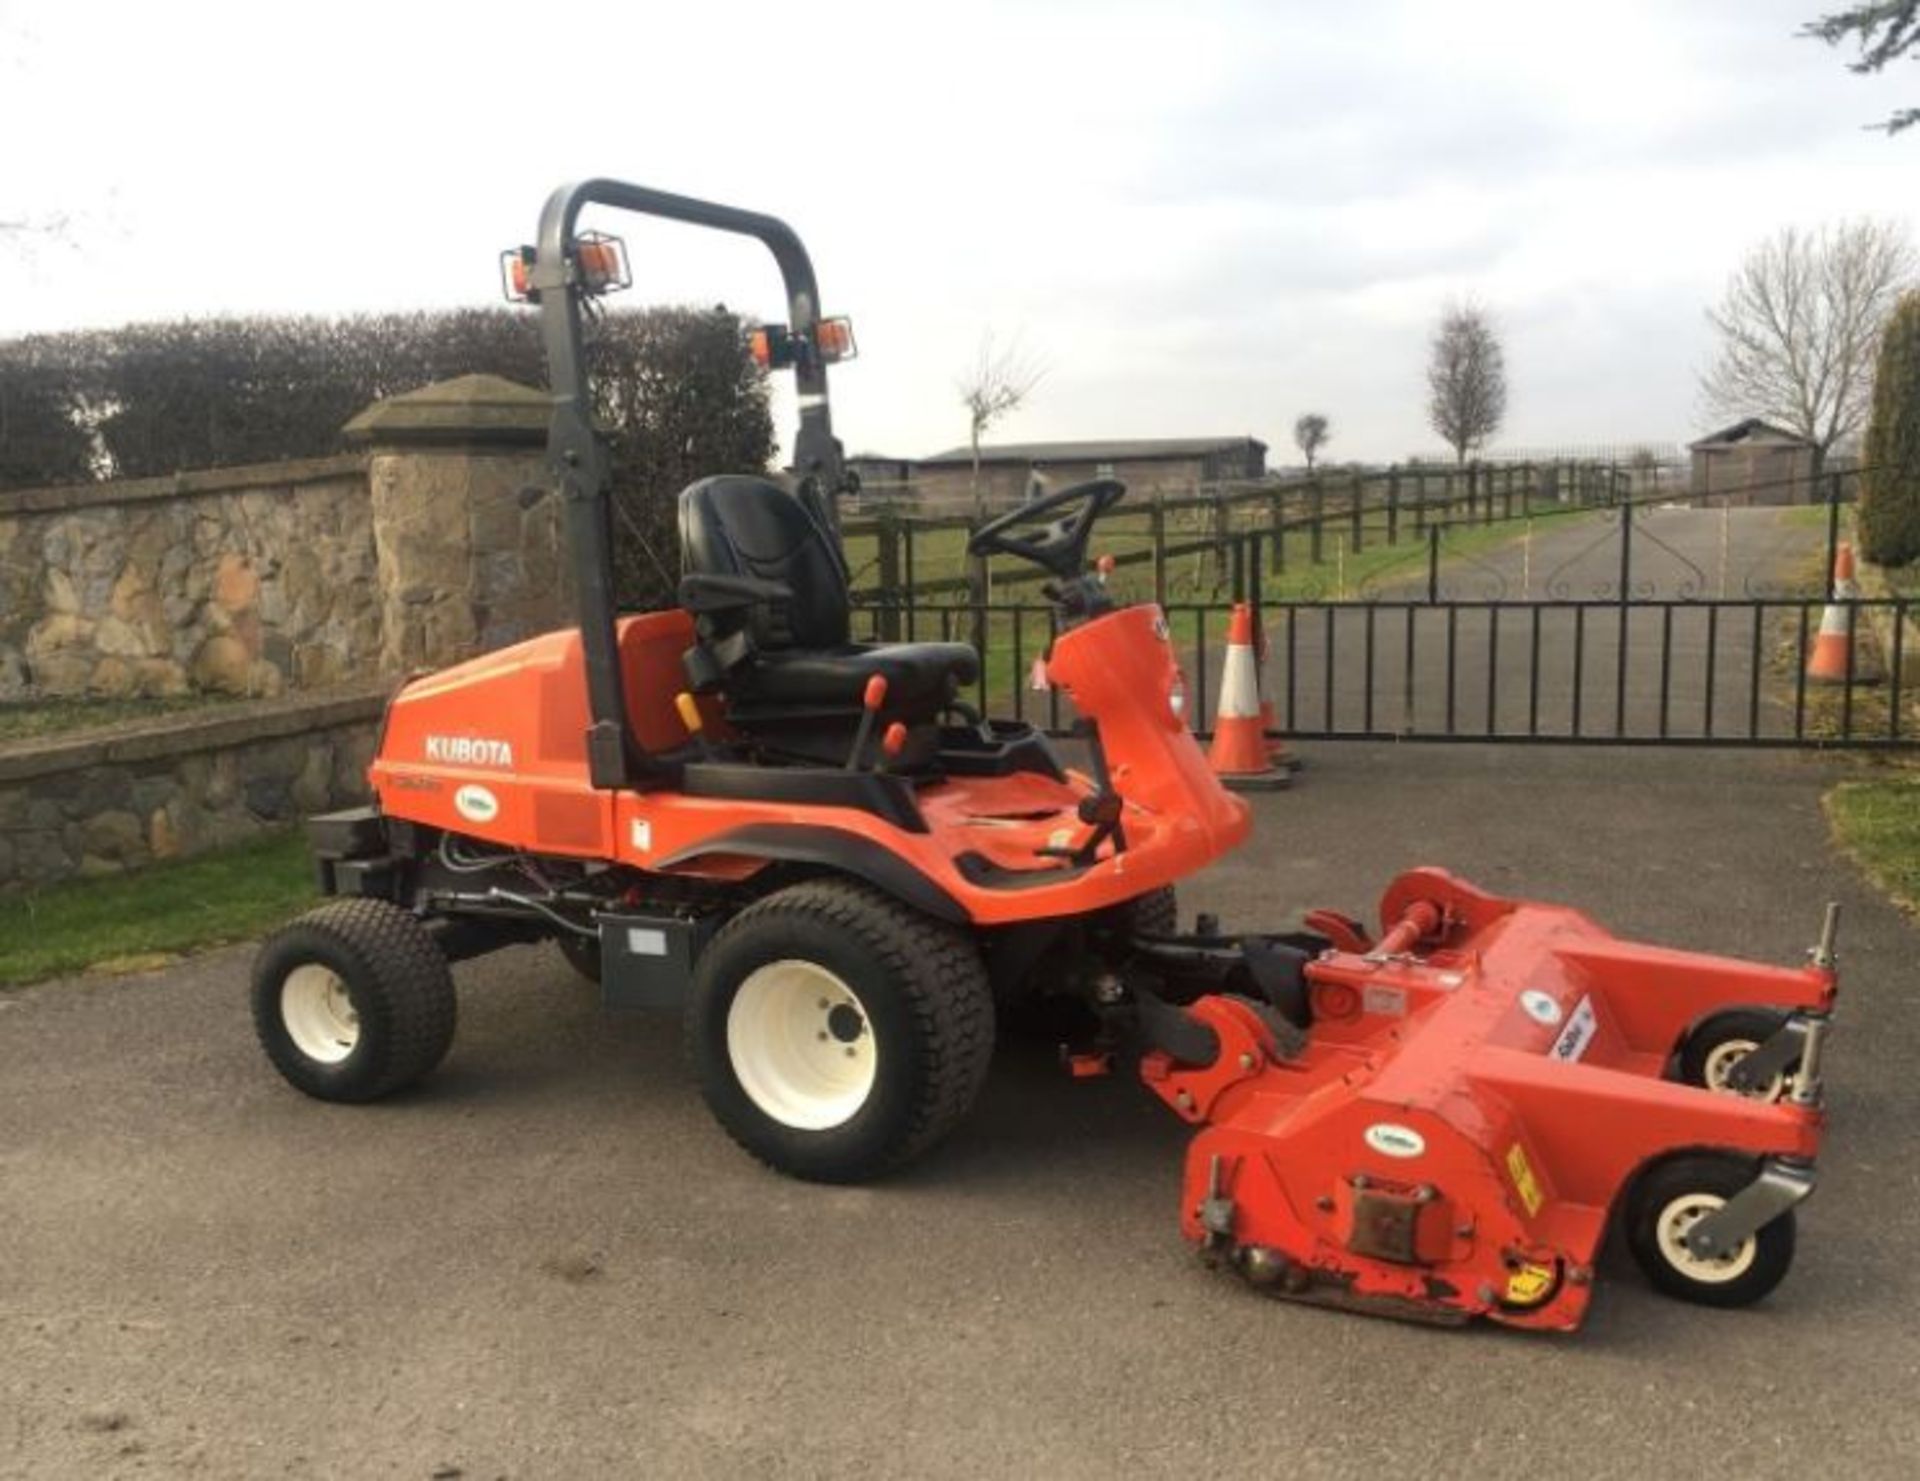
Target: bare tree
{"type": "Point", "coordinates": [1799, 325]}
{"type": "Point", "coordinates": [1466, 379]}
{"type": "Point", "coordinates": [1311, 433]}
{"type": "Point", "coordinates": [1884, 30]}
{"type": "Point", "coordinates": [997, 384]}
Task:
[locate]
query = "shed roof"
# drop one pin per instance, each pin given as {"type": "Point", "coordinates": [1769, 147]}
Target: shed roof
{"type": "Point", "coordinates": [1752, 429]}
{"type": "Point", "coordinates": [1131, 450]}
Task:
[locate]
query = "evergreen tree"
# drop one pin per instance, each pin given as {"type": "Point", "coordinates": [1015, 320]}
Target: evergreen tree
{"type": "Point", "coordinates": [1890, 484]}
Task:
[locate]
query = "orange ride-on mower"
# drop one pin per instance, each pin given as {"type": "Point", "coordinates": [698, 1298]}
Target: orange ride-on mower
{"type": "Point", "coordinates": [840, 873]}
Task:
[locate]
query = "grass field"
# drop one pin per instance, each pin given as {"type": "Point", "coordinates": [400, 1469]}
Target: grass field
{"type": "Point", "coordinates": [1814, 517]}
{"type": "Point", "coordinates": [1877, 821]}
{"type": "Point", "coordinates": [142, 920]}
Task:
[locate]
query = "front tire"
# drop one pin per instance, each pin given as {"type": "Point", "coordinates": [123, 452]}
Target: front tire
{"type": "Point", "coordinates": [1675, 1196]}
{"type": "Point", "coordinates": [1720, 1041]}
{"type": "Point", "coordinates": [353, 1001]}
{"type": "Point", "coordinates": [836, 1033]}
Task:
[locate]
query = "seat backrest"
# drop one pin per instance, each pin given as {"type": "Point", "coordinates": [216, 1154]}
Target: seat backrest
{"type": "Point", "coordinates": [740, 525]}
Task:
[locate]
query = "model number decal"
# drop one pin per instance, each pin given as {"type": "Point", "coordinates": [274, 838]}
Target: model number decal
{"type": "Point", "coordinates": [1578, 1033]}
{"type": "Point", "coordinates": [470, 750]}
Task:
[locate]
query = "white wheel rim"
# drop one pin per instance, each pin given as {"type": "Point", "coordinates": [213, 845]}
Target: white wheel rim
{"type": "Point", "coordinates": [801, 1045]}
{"type": "Point", "coordinates": [1720, 1063]}
{"type": "Point", "coordinates": [1679, 1216]}
{"type": "Point", "coordinates": [318, 1014]}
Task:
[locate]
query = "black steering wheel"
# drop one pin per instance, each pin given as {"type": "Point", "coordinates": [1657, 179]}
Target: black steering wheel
{"type": "Point", "coordinates": [1061, 547]}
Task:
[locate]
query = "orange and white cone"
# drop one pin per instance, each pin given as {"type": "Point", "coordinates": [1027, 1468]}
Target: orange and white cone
{"type": "Point", "coordinates": [1829, 662]}
{"type": "Point", "coordinates": [1269, 724]}
{"type": "Point", "coordinates": [1239, 754]}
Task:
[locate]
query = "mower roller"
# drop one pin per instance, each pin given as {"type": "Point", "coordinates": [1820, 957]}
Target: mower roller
{"type": "Point", "coordinates": [842, 875]}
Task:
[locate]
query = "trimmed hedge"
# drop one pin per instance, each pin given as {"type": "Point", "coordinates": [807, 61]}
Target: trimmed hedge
{"type": "Point", "coordinates": [40, 439]}
{"type": "Point", "coordinates": [678, 393]}
{"type": "Point", "coordinates": [1890, 484]}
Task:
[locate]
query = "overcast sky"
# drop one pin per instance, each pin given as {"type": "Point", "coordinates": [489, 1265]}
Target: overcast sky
{"type": "Point", "coordinates": [1204, 218]}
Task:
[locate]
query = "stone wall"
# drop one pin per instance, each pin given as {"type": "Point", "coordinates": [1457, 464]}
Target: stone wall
{"type": "Point", "coordinates": [299, 590]}
{"type": "Point", "coordinates": [472, 556]}
{"type": "Point", "coordinates": [115, 799]}
{"type": "Point", "coordinates": [437, 541]}
{"type": "Point", "coordinates": [243, 582]}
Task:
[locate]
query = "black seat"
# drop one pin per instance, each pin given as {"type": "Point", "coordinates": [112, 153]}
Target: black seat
{"type": "Point", "coordinates": [782, 654]}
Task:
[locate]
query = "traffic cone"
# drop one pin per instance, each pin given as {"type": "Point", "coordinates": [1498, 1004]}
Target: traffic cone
{"type": "Point", "coordinates": [1828, 662]}
{"type": "Point", "coordinates": [1239, 754]}
{"type": "Point", "coordinates": [1269, 725]}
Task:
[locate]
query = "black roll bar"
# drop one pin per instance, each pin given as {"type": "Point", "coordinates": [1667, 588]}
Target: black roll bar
{"type": "Point", "coordinates": [578, 463]}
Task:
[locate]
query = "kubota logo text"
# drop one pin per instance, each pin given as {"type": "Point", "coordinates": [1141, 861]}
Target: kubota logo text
{"type": "Point", "coordinates": [469, 750]}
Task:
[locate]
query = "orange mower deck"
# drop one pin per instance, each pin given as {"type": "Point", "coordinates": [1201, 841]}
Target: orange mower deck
{"type": "Point", "coordinates": [1479, 1090]}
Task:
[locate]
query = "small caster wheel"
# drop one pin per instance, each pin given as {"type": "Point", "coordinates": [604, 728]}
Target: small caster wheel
{"type": "Point", "coordinates": [582, 953]}
{"type": "Point", "coordinates": [1677, 1195]}
{"type": "Point", "coordinates": [1721, 1040]}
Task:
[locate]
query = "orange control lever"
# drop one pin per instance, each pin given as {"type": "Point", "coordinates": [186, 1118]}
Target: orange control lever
{"type": "Point", "coordinates": [874, 696]}
{"type": "Point", "coordinates": [688, 708]}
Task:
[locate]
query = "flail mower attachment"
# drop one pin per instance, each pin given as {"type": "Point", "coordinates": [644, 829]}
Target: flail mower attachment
{"type": "Point", "coordinates": [1478, 1092]}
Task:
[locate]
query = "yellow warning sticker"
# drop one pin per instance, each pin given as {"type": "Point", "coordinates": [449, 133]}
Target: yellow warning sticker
{"type": "Point", "coordinates": [1524, 1182]}
{"type": "Point", "coordinates": [1529, 1284]}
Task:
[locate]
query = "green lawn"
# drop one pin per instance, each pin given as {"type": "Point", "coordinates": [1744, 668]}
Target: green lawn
{"type": "Point", "coordinates": [1814, 517]}
{"type": "Point", "coordinates": [142, 919]}
{"type": "Point", "coordinates": [1878, 822]}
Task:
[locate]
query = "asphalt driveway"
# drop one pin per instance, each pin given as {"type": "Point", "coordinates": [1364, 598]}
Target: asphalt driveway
{"type": "Point", "coordinates": [549, 1263]}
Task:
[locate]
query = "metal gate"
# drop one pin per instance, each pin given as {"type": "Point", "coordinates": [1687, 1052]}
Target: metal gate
{"type": "Point", "coordinates": [1649, 621]}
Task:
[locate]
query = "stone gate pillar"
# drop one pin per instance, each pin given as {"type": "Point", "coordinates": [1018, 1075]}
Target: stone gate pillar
{"type": "Point", "coordinates": [470, 541]}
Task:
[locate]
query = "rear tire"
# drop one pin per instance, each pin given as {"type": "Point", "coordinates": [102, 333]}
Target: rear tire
{"type": "Point", "coordinates": [353, 1001]}
{"type": "Point", "coordinates": [854, 1089]}
{"type": "Point", "coordinates": [1677, 1194]}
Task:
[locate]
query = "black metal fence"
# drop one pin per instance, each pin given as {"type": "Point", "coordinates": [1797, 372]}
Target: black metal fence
{"type": "Point", "coordinates": [1649, 627]}
{"type": "Point", "coordinates": [1167, 548]}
